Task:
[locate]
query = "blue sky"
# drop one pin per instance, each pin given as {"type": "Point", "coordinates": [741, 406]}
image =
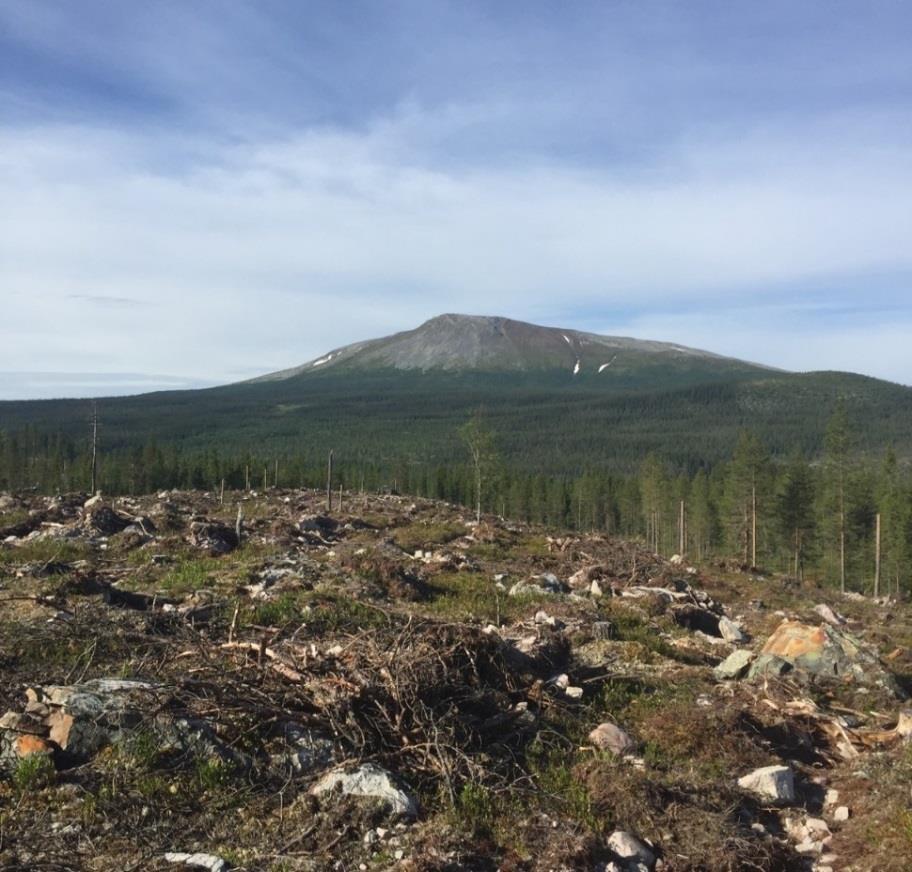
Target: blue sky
{"type": "Point", "coordinates": [199, 192]}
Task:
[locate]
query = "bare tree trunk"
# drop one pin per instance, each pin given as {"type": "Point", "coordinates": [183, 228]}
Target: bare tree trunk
{"type": "Point", "coordinates": [842, 542]}
{"type": "Point", "coordinates": [754, 525]}
{"type": "Point", "coordinates": [239, 524]}
{"type": "Point", "coordinates": [877, 557]}
{"type": "Point", "coordinates": [247, 477]}
{"type": "Point", "coordinates": [682, 543]}
{"type": "Point", "coordinates": [329, 479]}
{"type": "Point", "coordinates": [94, 487]}
{"type": "Point", "coordinates": [222, 493]}
{"type": "Point", "coordinates": [275, 478]}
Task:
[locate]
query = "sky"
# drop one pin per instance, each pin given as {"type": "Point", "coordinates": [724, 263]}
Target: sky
{"type": "Point", "coordinates": [198, 193]}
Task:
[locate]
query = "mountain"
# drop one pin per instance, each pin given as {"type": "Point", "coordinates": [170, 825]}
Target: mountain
{"type": "Point", "coordinates": [459, 343]}
{"type": "Point", "coordinates": [559, 402]}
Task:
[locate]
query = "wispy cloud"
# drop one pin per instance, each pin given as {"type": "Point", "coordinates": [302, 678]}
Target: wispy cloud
{"type": "Point", "coordinates": [102, 300]}
{"type": "Point", "coordinates": [650, 170]}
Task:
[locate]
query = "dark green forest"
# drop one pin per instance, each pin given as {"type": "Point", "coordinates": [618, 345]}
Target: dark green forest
{"type": "Point", "coordinates": [809, 509]}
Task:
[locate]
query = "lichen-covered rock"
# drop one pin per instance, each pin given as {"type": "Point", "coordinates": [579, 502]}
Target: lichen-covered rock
{"type": "Point", "coordinates": [825, 651]}
{"type": "Point", "coordinates": [610, 737]}
{"type": "Point", "coordinates": [371, 782]}
{"type": "Point", "coordinates": [734, 666]}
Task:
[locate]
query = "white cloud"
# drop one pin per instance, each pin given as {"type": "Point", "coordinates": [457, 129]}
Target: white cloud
{"type": "Point", "coordinates": [266, 253]}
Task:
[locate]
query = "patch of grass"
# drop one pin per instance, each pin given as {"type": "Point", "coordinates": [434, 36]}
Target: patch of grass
{"type": "Point", "coordinates": [44, 551]}
{"type": "Point", "coordinates": [189, 575]}
{"type": "Point", "coordinates": [324, 614]}
{"type": "Point", "coordinates": [553, 770]}
{"type": "Point", "coordinates": [286, 609]}
{"type": "Point", "coordinates": [212, 774]}
{"type": "Point", "coordinates": [475, 808]}
{"type": "Point", "coordinates": [426, 535]}
{"type": "Point", "coordinates": [13, 518]}
{"type": "Point", "coordinates": [34, 772]}
{"type": "Point", "coordinates": [140, 749]}
{"type": "Point", "coordinates": [461, 596]}
{"type": "Point", "coordinates": [343, 614]}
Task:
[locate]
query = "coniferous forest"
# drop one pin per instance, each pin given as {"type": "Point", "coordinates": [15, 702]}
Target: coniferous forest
{"type": "Point", "coordinates": [813, 515]}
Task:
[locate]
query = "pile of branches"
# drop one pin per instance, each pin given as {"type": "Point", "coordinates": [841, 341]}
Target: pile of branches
{"type": "Point", "coordinates": [441, 702]}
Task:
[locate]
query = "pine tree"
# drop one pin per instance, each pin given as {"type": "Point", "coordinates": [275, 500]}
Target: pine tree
{"type": "Point", "coordinates": [836, 469]}
{"type": "Point", "coordinates": [893, 506]}
{"type": "Point", "coordinates": [746, 490]}
{"type": "Point", "coordinates": [653, 490]}
{"type": "Point", "coordinates": [794, 507]}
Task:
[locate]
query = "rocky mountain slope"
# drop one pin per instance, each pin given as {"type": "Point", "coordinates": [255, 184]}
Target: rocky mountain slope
{"type": "Point", "coordinates": [458, 343]}
{"type": "Point", "coordinates": [255, 682]}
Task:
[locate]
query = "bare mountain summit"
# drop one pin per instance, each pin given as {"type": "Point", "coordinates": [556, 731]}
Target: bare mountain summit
{"type": "Point", "coordinates": [488, 343]}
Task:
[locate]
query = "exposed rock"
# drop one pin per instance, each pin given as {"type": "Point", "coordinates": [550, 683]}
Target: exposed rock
{"type": "Point", "coordinates": [630, 849]}
{"type": "Point", "coordinates": [826, 651]}
{"type": "Point", "coordinates": [373, 782]}
{"type": "Point", "coordinates": [730, 631]}
{"type": "Point", "coordinates": [198, 861]}
{"type": "Point", "coordinates": [610, 737]}
{"type": "Point", "coordinates": [769, 664]}
{"type": "Point", "coordinates": [81, 719]}
{"type": "Point", "coordinates": [775, 783]}
{"type": "Point", "coordinates": [548, 584]}
{"type": "Point", "coordinates": [735, 665]}
{"type": "Point", "coordinates": [831, 617]}
{"type": "Point", "coordinates": [18, 741]}
{"type": "Point", "coordinates": [841, 815]}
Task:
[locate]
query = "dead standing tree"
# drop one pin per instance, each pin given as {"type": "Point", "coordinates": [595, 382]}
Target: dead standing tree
{"type": "Point", "coordinates": [329, 482]}
{"type": "Point", "coordinates": [94, 483]}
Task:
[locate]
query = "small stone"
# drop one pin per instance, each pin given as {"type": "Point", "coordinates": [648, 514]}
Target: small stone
{"type": "Point", "coordinates": [610, 737]}
{"type": "Point", "coordinates": [730, 631]}
{"type": "Point", "coordinates": [574, 692]}
{"type": "Point", "coordinates": [373, 782]}
{"type": "Point", "coordinates": [776, 783]}
{"type": "Point", "coordinates": [630, 848]}
{"type": "Point", "coordinates": [831, 798]}
{"type": "Point", "coordinates": [841, 815]}
{"type": "Point", "coordinates": [734, 666]}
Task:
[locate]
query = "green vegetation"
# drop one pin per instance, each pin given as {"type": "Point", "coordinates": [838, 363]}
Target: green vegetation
{"type": "Point", "coordinates": [799, 492]}
{"type": "Point", "coordinates": [34, 772]}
